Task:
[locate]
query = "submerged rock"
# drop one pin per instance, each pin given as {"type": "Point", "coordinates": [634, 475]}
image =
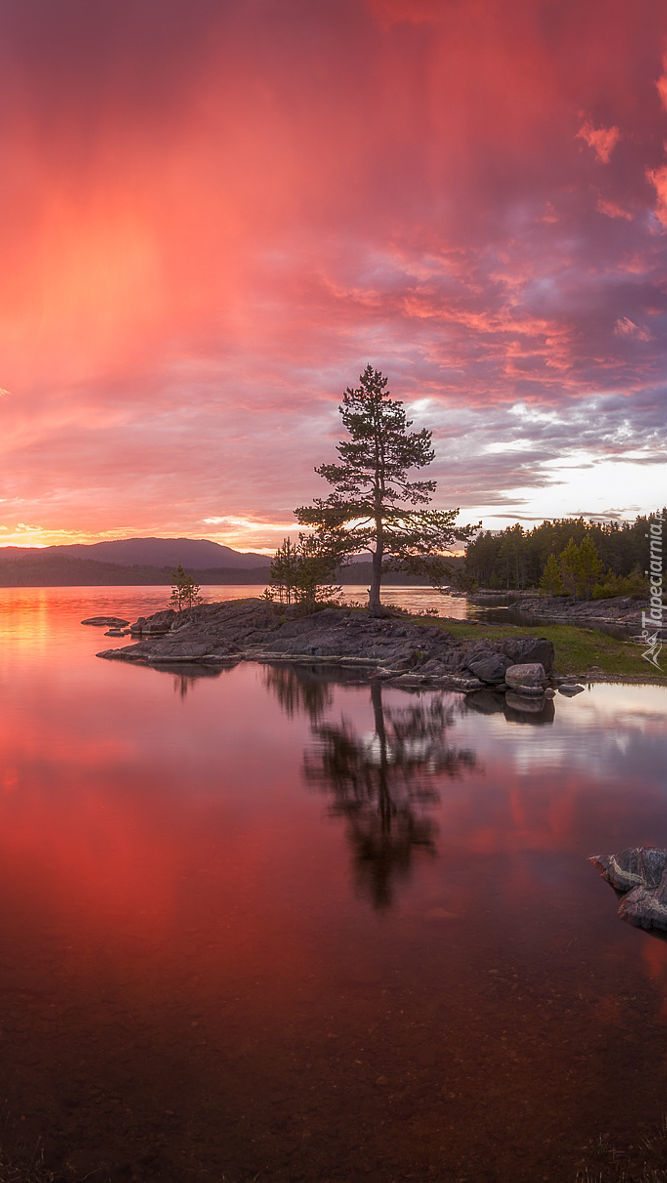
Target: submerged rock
{"type": "Point", "coordinates": [641, 873]}
{"type": "Point", "coordinates": [108, 621]}
{"type": "Point", "coordinates": [570, 689]}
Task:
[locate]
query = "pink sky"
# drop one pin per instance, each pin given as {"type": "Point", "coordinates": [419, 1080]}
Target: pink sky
{"type": "Point", "coordinates": [213, 216]}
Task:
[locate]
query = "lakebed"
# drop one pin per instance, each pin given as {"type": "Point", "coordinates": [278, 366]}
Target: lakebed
{"type": "Point", "coordinates": [273, 921]}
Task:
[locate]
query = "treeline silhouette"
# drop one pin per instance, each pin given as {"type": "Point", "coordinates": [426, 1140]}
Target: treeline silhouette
{"type": "Point", "coordinates": [516, 558]}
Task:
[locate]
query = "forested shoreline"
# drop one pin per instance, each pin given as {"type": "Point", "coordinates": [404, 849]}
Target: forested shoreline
{"type": "Point", "coordinates": [565, 556]}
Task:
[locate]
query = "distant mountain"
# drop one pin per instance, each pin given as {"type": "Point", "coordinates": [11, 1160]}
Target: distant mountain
{"type": "Point", "coordinates": [197, 553]}
{"type": "Point", "coordinates": [129, 561]}
{"type": "Point", "coordinates": [150, 561]}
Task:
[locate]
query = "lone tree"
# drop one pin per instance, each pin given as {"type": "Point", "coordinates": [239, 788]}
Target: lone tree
{"type": "Point", "coordinates": [371, 506]}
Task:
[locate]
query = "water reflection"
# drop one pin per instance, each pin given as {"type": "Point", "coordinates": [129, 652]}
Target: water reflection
{"type": "Point", "coordinates": [515, 707]}
{"type": "Point", "coordinates": [310, 693]}
{"type": "Point", "coordinates": [381, 781]}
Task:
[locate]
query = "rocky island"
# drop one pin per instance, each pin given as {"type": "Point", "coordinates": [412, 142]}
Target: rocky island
{"type": "Point", "coordinates": [391, 647]}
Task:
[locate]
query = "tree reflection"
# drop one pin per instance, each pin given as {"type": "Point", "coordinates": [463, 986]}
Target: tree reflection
{"type": "Point", "coordinates": [305, 692]}
{"type": "Point", "coordinates": [383, 781]}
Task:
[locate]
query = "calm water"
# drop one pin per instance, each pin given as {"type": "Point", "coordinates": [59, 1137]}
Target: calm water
{"type": "Point", "coordinates": [261, 926]}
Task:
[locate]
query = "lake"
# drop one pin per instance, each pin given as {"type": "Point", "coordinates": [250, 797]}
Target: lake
{"type": "Point", "coordinates": [274, 925]}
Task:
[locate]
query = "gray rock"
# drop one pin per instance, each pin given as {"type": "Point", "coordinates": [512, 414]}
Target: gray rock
{"type": "Point", "coordinates": [528, 679]}
{"type": "Point", "coordinates": [549, 692]}
{"type": "Point", "coordinates": [157, 624]}
{"type": "Point", "coordinates": [641, 873]}
{"type": "Point", "coordinates": [638, 866]}
{"type": "Point", "coordinates": [108, 621]}
{"type": "Point", "coordinates": [570, 690]}
{"type": "Point", "coordinates": [489, 667]}
{"type": "Point", "coordinates": [527, 650]}
{"type": "Point", "coordinates": [646, 908]}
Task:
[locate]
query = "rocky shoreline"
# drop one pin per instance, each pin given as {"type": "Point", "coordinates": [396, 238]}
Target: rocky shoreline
{"type": "Point", "coordinates": [391, 648]}
{"type": "Point", "coordinates": [621, 611]}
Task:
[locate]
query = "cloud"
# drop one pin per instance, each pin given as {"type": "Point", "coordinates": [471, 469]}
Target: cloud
{"type": "Point", "coordinates": [658, 178]}
{"type": "Point", "coordinates": [602, 140]}
{"type": "Point", "coordinates": [611, 210]}
{"type": "Point", "coordinates": [214, 218]}
{"type": "Point", "coordinates": [662, 83]}
{"type": "Point", "coordinates": [625, 327]}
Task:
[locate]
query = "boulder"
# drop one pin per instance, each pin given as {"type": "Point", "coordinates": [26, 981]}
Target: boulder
{"type": "Point", "coordinates": [644, 908]}
{"type": "Point", "coordinates": [524, 650]}
{"type": "Point", "coordinates": [489, 667]}
{"type": "Point", "coordinates": [155, 625]}
{"type": "Point", "coordinates": [640, 872]}
{"type": "Point", "coordinates": [108, 621]}
{"type": "Point", "coordinates": [638, 866]}
{"type": "Point", "coordinates": [569, 690]}
{"type": "Point", "coordinates": [528, 679]}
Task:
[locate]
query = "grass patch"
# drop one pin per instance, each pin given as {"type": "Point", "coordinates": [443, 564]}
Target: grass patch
{"type": "Point", "coordinates": [578, 650]}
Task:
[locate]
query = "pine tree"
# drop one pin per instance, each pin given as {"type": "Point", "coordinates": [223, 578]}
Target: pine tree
{"type": "Point", "coordinates": [551, 581]}
{"type": "Point", "coordinates": [302, 573]}
{"type": "Point", "coordinates": [372, 503]}
{"type": "Point", "coordinates": [283, 572]}
{"type": "Point", "coordinates": [588, 568]}
{"type": "Point", "coordinates": [185, 592]}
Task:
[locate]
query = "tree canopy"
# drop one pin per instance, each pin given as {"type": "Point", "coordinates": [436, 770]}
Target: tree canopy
{"type": "Point", "coordinates": [373, 502]}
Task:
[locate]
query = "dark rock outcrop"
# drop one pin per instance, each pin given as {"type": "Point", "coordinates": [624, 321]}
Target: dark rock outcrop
{"type": "Point", "coordinates": [157, 624]}
{"type": "Point", "coordinates": [260, 631]}
{"type": "Point", "coordinates": [624, 611]}
{"type": "Point", "coordinates": [640, 872]}
{"type": "Point", "coordinates": [489, 667]}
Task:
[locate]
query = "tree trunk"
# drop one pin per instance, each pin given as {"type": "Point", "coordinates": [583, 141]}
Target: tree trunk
{"type": "Point", "coordinates": [374, 605]}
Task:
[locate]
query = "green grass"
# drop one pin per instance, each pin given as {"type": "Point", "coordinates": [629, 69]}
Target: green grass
{"type": "Point", "coordinates": [578, 650]}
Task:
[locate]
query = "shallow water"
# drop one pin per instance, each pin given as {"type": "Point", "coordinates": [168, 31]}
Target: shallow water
{"type": "Point", "coordinates": [261, 926]}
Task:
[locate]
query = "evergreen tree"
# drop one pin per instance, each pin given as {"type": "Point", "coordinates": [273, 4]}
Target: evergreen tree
{"type": "Point", "coordinates": [551, 581]}
{"type": "Point", "coordinates": [588, 568]}
{"type": "Point", "coordinates": [372, 503]}
{"type": "Point", "coordinates": [283, 573]}
{"type": "Point", "coordinates": [567, 567]}
{"type": "Point", "coordinates": [303, 573]}
{"type": "Point", "coordinates": [185, 592]}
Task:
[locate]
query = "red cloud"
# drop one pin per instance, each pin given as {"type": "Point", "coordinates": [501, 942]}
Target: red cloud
{"type": "Point", "coordinates": [211, 222]}
{"type": "Point", "coordinates": [602, 140]}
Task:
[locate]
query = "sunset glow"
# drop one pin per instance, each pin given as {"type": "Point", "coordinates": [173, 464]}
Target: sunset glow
{"type": "Point", "coordinates": [213, 217]}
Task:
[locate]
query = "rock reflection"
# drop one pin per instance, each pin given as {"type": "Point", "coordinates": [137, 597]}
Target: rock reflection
{"type": "Point", "coordinates": [514, 707]}
{"type": "Point", "coordinates": [186, 674]}
{"type": "Point", "coordinates": [383, 781]}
